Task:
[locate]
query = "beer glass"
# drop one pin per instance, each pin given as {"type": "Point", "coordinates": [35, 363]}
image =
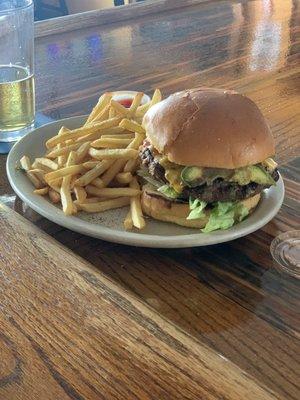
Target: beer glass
{"type": "Point", "coordinates": [16, 69]}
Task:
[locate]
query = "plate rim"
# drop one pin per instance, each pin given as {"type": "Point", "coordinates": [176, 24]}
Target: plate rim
{"type": "Point", "coordinates": [196, 239]}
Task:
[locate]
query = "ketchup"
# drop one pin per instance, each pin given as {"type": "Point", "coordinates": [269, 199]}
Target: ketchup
{"type": "Point", "coordinates": [126, 102]}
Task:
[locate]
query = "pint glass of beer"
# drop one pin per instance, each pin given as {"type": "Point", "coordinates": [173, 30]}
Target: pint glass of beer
{"type": "Point", "coordinates": [16, 69]}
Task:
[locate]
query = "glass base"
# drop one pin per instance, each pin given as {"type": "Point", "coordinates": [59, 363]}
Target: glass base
{"type": "Point", "coordinates": [13, 136]}
{"type": "Point", "coordinates": [8, 138]}
{"type": "Point", "coordinates": [285, 250]}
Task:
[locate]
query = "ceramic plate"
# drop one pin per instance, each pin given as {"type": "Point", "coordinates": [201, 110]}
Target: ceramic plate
{"type": "Point", "coordinates": [109, 225]}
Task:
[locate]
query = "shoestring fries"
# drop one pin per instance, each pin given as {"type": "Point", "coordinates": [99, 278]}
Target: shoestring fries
{"type": "Point", "coordinates": [135, 206]}
{"type": "Point", "coordinates": [92, 168]}
{"type": "Point", "coordinates": [111, 143]}
{"type": "Point", "coordinates": [25, 163]}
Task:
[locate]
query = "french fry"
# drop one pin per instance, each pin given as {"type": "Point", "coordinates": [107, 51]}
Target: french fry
{"type": "Point", "coordinates": [82, 152]}
{"type": "Point", "coordinates": [115, 130]}
{"type": "Point", "coordinates": [115, 168]}
{"type": "Point", "coordinates": [36, 165]}
{"type": "Point", "coordinates": [138, 140]}
{"type": "Point", "coordinates": [73, 180]}
{"type": "Point", "coordinates": [54, 196]}
{"type": "Point", "coordinates": [90, 136]}
{"type": "Point", "coordinates": [72, 159]}
{"type": "Point", "coordinates": [92, 174]}
{"type": "Point", "coordinates": [55, 184]}
{"type": "Point", "coordinates": [98, 182]}
{"type": "Point", "coordinates": [130, 165]}
{"type": "Point", "coordinates": [83, 131]}
{"type": "Point", "coordinates": [112, 112]}
{"type": "Point", "coordinates": [63, 150]}
{"type": "Point", "coordinates": [71, 170]}
{"type": "Point", "coordinates": [135, 103]}
{"type": "Point", "coordinates": [25, 163]}
{"type": "Point", "coordinates": [120, 164]}
{"type": "Point", "coordinates": [103, 115]}
{"type": "Point", "coordinates": [156, 98]}
{"type": "Point", "coordinates": [62, 159]}
{"type": "Point", "coordinates": [112, 192]}
{"type": "Point", "coordinates": [111, 143]}
{"type": "Point", "coordinates": [141, 110]}
{"type": "Point", "coordinates": [44, 168]}
{"type": "Point", "coordinates": [119, 136]}
{"type": "Point", "coordinates": [34, 180]}
{"type": "Point", "coordinates": [90, 200]}
{"type": "Point", "coordinates": [108, 154]}
{"type": "Point", "coordinates": [41, 191]}
{"type": "Point", "coordinates": [56, 181]}
{"type": "Point", "coordinates": [39, 173]}
{"type": "Point", "coordinates": [119, 109]}
{"type": "Point", "coordinates": [128, 223]}
{"type": "Point", "coordinates": [90, 164]}
{"type": "Point", "coordinates": [105, 205]}
{"type": "Point", "coordinates": [65, 190]}
{"type": "Point", "coordinates": [47, 163]}
{"type": "Point", "coordinates": [80, 194]}
{"type": "Point", "coordinates": [124, 177]}
{"type": "Point", "coordinates": [102, 103]}
{"type": "Point", "coordinates": [131, 126]}
{"type": "Point", "coordinates": [55, 188]}
{"type": "Point", "coordinates": [63, 129]}
{"type": "Point", "coordinates": [135, 207]}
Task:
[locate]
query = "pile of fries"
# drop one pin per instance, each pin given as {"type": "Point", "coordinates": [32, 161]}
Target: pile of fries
{"type": "Point", "coordinates": [92, 168]}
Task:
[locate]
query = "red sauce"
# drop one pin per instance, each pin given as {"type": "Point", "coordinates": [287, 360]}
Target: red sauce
{"type": "Point", "coordinates": [126, 102]}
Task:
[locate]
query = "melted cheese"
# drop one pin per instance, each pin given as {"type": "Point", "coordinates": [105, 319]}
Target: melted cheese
{"type": "Point", "coordinates": [172, 173]}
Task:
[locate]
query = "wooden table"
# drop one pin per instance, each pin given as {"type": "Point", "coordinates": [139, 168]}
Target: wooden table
{"type": "Point", "coordinates": [81, 318]}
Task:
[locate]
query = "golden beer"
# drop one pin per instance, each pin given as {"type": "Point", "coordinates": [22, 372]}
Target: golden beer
{"type": "Point", "coordinates": [16, 98]}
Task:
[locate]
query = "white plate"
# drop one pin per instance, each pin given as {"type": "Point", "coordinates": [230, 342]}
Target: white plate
{"type": "Point", "coordinates": [109, 225]}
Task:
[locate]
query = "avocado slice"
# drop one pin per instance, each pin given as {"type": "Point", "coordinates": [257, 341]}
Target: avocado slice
{"type": "Point", "coordinates": [191, 175]}
{"type": "Point", "coordinates": [242, 176]}
{"type": "Point", "coordinates": [253, 173]}
{"type": "Point", "coordinates": [259, 175]}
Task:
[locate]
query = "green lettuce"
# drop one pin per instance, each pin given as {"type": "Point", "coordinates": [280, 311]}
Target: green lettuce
{"type": "Point", "coordinates": [241, 212]}
{"type": "Point", "coordinates": [218, 220]}
{"type": "Point", "coordinates": [197, 209]}
{"type": "Point", "coordinates": [222, 216]}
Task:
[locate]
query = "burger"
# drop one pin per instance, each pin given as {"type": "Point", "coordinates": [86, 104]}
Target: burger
{"type": "Point", "coordinates": [206, 159]}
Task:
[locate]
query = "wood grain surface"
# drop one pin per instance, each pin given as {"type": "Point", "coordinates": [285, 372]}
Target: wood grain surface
{"type": "Point", "coordinates": [228, 298]}
{"type": "Point", "coordinates": [90, 339]}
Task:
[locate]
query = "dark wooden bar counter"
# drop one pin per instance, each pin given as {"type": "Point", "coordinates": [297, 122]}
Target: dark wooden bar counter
{"type": "Point", "coordinates": [82, 318]}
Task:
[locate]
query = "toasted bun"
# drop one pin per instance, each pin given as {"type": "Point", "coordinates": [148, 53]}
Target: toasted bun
{"type": "Point", "coordinates": [169, 211]}
{"type": "Point", "coordinates": [209, 128]}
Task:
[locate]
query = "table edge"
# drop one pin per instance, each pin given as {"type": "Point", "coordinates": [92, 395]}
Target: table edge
{"type": "Point", "coordinates": [92, 18]}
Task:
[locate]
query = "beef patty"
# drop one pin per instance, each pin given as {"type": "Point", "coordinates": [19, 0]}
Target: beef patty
{"type": "Point", "coordinates": [219, 190]}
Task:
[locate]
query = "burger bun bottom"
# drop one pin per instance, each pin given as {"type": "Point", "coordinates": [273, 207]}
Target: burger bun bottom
{"type": "Point", "coordinates": [170, 211]}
